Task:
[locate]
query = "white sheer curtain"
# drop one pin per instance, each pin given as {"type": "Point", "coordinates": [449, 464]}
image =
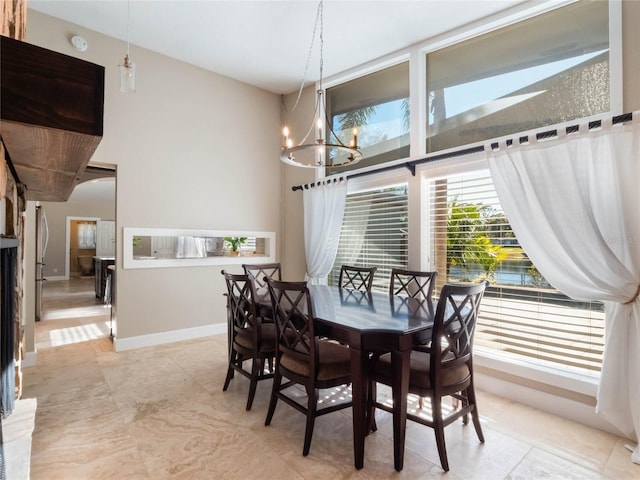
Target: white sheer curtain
{"type": "Point", "coordinates": [191, 247]}
{"type": "Point", "coordinates": [323, 212]}
{"type": "Point", "coordinates": [574, 204]}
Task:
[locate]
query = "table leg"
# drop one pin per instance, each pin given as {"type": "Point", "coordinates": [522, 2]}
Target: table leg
{"type": "Point", "coordinates": [359, 366]}
{"type": "Point", "coordinates": [400, 368]}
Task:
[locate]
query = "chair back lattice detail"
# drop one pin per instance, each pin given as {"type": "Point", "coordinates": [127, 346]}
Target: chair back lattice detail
{"type": "Point", "coordinates": [258, 272]}
{"type": "Point", "coordinates": [293, 315]}
{"type": "Point", "coordinates": [356, 278]}
{"type": "Point", "coordinates": [412, 284]}
{"type": "Point", "coordinates": [241, 296]}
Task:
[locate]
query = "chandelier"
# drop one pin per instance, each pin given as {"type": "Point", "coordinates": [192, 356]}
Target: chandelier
{"type": "Point", "coordinates": [127, 67]}
{"type": "Point", "coordinates": [322, 152]}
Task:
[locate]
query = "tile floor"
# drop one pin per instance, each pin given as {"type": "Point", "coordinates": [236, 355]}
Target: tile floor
{"type": "Point", "coordinates": [160, 412]}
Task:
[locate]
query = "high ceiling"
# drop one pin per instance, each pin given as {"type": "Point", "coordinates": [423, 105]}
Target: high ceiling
{"type": "Point", "coordinates": [266, 43]}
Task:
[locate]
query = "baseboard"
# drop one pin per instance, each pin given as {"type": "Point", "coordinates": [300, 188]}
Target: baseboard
{"type": "Point", "coordinates": [141, 341]}
{"type": "Point", "coordinates": [29, 359]}
{"type": "Point", "coordinates": [56, 279]}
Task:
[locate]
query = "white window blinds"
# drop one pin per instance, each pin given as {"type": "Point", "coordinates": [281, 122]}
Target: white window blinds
{"type": "Point", "coordinates": [522, 315]}
{"type": "Point", "coordinates": [374, 233]}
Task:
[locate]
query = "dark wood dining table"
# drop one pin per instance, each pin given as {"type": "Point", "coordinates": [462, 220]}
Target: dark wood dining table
{"type": "Point", "coordinates": [374, 322]}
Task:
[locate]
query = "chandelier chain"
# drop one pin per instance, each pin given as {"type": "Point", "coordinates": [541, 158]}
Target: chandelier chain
{"type": "Point", "coordinates": [306, 68]}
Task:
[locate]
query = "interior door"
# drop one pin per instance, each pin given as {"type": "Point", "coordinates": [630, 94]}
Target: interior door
{"type": "Point", "coordinates": [106, 238]}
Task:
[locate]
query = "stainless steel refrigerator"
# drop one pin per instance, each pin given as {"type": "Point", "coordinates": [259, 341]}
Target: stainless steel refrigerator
{"type": "Point", "coordinates": [42, 238]}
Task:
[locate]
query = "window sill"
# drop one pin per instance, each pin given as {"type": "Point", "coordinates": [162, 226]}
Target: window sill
{"type": "Point", "coordinates": [538, 374]}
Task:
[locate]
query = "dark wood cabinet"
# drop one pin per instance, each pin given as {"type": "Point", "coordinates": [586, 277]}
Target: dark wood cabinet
{"type": "Point", "coordinates": [101, 265]}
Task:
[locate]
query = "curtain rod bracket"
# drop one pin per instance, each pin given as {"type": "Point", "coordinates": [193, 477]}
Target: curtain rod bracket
{"type": "Point", "coordinates": [412, 168]}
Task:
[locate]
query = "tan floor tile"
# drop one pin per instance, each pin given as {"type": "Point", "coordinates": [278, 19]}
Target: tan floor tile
{"type": "Point", "coordinates": [92, 448]}
{"type": "Point", "coordinates": [541, 464]}
{"type": "Point", "coordinates": [573, 441]}
{"type": "Point", "coordinates": [105, 465]}
{"type": "Point", "coordinates": [619, 465]}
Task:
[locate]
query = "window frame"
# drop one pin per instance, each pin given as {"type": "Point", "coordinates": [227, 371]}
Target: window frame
{"type": "Point", "coordinates": [463, 35]}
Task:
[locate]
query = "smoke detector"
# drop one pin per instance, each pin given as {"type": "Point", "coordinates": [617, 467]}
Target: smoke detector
{"type": "Point", "coordinates": [79, 43]}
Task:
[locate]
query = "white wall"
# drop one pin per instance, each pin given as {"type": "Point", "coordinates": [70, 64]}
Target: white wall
{"type": "Point", "coordinates": [193, 149]}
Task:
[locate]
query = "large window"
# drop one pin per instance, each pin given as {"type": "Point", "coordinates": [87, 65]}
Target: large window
{"type": "Point", "coordinates": [374, 233]}
{"type": "Point", "coordinates": [377, 105]}
{"type": "Point", "coordinates": [546, 70]}
{"type": "Point", "coordinates": [522, 316]}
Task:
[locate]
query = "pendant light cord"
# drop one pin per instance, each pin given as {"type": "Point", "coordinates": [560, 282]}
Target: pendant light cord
{"type": "Point", "coordinates": [128, 16]}
{"type": "Point", "coordinates": [319, 20]}
{"type": "Point", "coordinates": [321, 13]}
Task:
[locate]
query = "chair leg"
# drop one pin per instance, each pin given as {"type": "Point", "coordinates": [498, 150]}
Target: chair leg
{"type": "Point", "coordinates": [228, 379]}
{"type": "Point", "coordinates": [456, 405]}
{"type": "Point", "coordinates": [312, 394]}
{"type": "Point", "coordinates": [372, 396]}
{"type": "Point", "coordinates": [277, 379]}
{"type": "Point", "coordinates": [438, 428]}
{"type": "Point", "coordinates": [230, 371]}
{"type": "Point", "coordinates": [256, 367]}
{"type": "Point", "coordinates": [420, 403]}
{"type": "Point", "coordinates": [475, 416]}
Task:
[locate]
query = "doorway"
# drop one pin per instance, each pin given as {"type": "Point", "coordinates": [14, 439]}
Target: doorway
{"type": "Point", "coordinates": [81, 246]}
{"type": "Point", "coordinates": [72, 311]}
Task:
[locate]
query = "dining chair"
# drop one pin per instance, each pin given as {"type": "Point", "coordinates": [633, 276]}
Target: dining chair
{"type": "Point", "coordinates": [249, 337]}
{"type": "Point", "coordinates": [444, 368]}
{"type": "Point", "coordinates": [303, 358]}
{"type": "Point", "coordinates": [412, 284]}
{"type": "Point", "coordinates": [356, 278]}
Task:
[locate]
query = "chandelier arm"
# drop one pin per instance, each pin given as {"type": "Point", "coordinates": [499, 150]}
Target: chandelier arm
{"type": "Point", "coordinates": [316, 114]}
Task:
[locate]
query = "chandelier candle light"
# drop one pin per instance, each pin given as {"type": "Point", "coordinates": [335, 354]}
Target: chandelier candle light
{"type": "Point", "coordinates": [321, 153]}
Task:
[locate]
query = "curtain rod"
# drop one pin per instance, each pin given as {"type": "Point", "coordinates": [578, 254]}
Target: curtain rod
{"type": "Point", "coordinates": [411, 165]}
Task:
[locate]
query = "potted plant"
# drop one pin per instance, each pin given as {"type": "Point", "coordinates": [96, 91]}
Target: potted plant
{"type": "Point", "coordinates": [234, 244]}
